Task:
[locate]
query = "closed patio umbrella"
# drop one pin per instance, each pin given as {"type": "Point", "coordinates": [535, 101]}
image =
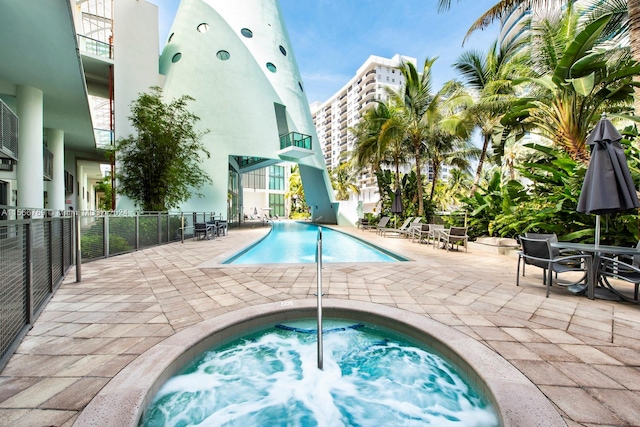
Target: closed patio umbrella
{"type": "Point", "coordinates": [396, 206]}
{"type": "Point", "coordinates": [607, 187]}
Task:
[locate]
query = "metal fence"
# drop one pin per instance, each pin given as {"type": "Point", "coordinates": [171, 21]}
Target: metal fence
{"type": "Point", "coordinates": [35, 254]}
{"type": "Point", "coordinates": [38, 247]}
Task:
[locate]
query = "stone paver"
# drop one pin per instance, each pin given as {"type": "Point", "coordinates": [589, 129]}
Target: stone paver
{"type": "Point", "coordinates": [583, 355]}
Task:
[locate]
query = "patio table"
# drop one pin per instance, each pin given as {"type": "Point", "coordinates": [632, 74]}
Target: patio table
{"type": "Point", "coordinates": [605, 291]}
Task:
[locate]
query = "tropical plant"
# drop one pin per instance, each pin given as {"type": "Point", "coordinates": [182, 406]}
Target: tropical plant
{"type": "Point", "coordinates": [378, 139]}
{"type": "Point", "coordinates": [104, 188]}
{"type": "Point", "coordinates": [626, 18]}
{"type": "Point", "coordinates": [344, 179]}
{"type": "Point", "coordinates": [160, 166]}
{"type": "Point", "coordinates": [296, 193]}
{"type": "Point", "coordinates": [582, 83]}
{"type": "Point", "coordinates": [490, 76]}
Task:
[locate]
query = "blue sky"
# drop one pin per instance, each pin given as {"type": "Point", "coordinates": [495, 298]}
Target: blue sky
{"type": "Point", "coordinates": [331, 39]}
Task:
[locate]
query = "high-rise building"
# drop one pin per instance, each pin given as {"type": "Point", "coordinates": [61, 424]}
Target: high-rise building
{"type": "Point", "coordinates": [343, 110]}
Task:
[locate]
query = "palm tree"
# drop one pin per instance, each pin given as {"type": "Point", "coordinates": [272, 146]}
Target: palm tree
{"type": "Point", "coordinates": [344, 180]}
{"type": "Point", "coordinates": [577, 85]}
{"type": "Point", "coordinates": [490, 77]}
{"type": "Point", "coordinates": [419, 111]}
{"type": "Point", "coordinates": [378, 141]}
{"type": "Point", "coordinates": [448, 149]}
{"type": "Point", "coordinates": [630, 22]}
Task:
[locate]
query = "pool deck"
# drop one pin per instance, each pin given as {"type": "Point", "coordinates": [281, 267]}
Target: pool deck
{"type": "Point", "coordinates": [583, 355]}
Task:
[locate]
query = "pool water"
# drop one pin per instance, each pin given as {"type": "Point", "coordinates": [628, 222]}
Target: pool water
{"type": "Point", "coordinates": [295, 242]}
{"type": "Point", "coordinates": [371, 377]}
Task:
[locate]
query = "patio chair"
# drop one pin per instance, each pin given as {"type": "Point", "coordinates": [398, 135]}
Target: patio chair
{"type": "Point", "coordinates": [539, 253]}
{"type": "Point", "coordinates": [381, 224]}
{"type": "Point", "coordinates": [434, 234]}
{"type": "Point", "coordinates": [201, 229]}
{"type": "Point", "coordinates": [404, 226]}
{"type": "Point", "coordinates": [627, 270]}
{"type": "Point", "coordinates": [421, 233]}
{"type": "Point", "coordinates": [454, 236]}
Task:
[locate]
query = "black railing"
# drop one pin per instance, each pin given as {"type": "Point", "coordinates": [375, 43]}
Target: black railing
{"type": "Point", "coordinates": [36, 253]}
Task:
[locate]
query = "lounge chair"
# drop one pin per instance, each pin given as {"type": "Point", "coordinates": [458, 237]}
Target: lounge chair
{"type": "Point", "coordinates": [539, 253]}
{"type": "Point", "coordinates": [381, 224]}
{"type": "Point", "coordinates": [414, 225]}
{"type": "Point", "coordinates": [405, 225]}
{"type": "Point", "coordinates": [362, 222]}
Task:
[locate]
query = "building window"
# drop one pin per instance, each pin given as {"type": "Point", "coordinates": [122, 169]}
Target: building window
{"type": "Point", "coordinates": [276, 178]}
{"type": "Point", "coordinates": [271, 67]}
{"type": "Point", "coordinates": [203, 28]}
{"type": "Point", "coordinates": [223, 55]}
{"type": "Point", "coordinates": [254, 179]}
{"type": "Point", "coordinates": [176, 57]}
{"type": "Point", "coordinates": [276, 203]}
{"type": "Point", "coordinates": [246, 32]}
{"type": "Point", "coordinates": [283, 50]}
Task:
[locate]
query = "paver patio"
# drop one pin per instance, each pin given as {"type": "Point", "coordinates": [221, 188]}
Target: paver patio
{"type": "Point", "coordinates": [583, 355]}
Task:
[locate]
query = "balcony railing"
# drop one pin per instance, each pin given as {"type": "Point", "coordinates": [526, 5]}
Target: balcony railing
{"type": "Point", "coordinates": [295, 139]}
{"type": "Point", "coordinates": [8, 132]}
{"type": "Point", "coordinates": [104, 138]}
{"type": "Point", "coordinates": [95, 47]}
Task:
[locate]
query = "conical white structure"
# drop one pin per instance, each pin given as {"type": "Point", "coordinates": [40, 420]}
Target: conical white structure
{"type": "Point", "coordinates": [235, 59]}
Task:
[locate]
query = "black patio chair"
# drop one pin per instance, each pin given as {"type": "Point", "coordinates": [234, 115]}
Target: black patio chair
{"type": "Point", "coordinates": [627, 270]}
{"type": "Point", "coordinates": [200, 229]}
{"type": "Point", "coordinates": [539, 253]}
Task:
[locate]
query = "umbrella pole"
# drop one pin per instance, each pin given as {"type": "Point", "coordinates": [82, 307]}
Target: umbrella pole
{"type": "Point", "coordinates": [597, 230]}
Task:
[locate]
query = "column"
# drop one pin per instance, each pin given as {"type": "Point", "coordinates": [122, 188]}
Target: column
{"type": "Point", "coordinates": [30, 163]}
{"type": "Point", "coordinates": [55, 143]}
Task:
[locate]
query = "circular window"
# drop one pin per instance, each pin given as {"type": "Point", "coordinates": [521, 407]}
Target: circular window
{"type": "Point", "coordinates": [300, 84]}
{"type": "Point", "coordinates": [246, 32]}
{"type": "Point", "coordinates": [223, 55]}
{"type": "Point", "coordinates": [271, 67]}
{"type": "Point", "coordinates": [203, 28]}
{"type": "Point", "coordinates": [170, 37]}
{"type": "Point", "coordinates": [176, 57]}
{"type": "Point", "coordinates": [283, 50]}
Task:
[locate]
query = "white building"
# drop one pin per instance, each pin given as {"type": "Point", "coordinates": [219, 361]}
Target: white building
{"type": "Point", "coordinates": [71, 68]}
{"type": "Point", "coordinates": [343, 110]}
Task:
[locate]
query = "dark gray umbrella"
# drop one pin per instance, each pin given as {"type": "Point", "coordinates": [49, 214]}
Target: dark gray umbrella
{"type": "Point", "coordinates": [607, 187]}
{"type": "Point", "coordinates": [396, 206]}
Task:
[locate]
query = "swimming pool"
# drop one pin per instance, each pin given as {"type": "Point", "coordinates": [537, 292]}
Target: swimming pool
{"type": "Point", "coordinates": [295, 242]}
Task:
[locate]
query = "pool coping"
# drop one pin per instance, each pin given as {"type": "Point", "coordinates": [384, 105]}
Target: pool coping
{"type": "Point", "coordinates": [123, 400]}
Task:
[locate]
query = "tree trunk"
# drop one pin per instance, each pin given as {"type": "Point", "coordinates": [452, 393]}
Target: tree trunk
{"type": "Point", "coordinates": [634, 37]}
{"type": "Point", "coordinates": [483, 155]}
{"type": "Point", "coordinates": [436, 171]}
{"type": "Point", "coordinates": [416, 152]}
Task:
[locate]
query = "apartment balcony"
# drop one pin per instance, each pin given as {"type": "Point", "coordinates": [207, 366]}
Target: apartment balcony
{"type": "Point", "coordinates": [104, 138]}
{"type": "Point", "coordinates": [8, 135]}
{"type": "Point", "coordinates": [370, 82]}
{"type": "Point", "coordinates": [368, 73]}
{"type": "Point", "coordinates": [294, 146]}
{"type": "Point", "coordinates": [95, 47]}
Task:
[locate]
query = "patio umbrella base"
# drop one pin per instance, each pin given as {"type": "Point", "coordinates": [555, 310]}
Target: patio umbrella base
{"type": "Point", "coordinates": [606, 294]}
{"type": "Point", "coordinates": [577, 289]}
{"type": "Point", "coordinates": [600, 292]}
